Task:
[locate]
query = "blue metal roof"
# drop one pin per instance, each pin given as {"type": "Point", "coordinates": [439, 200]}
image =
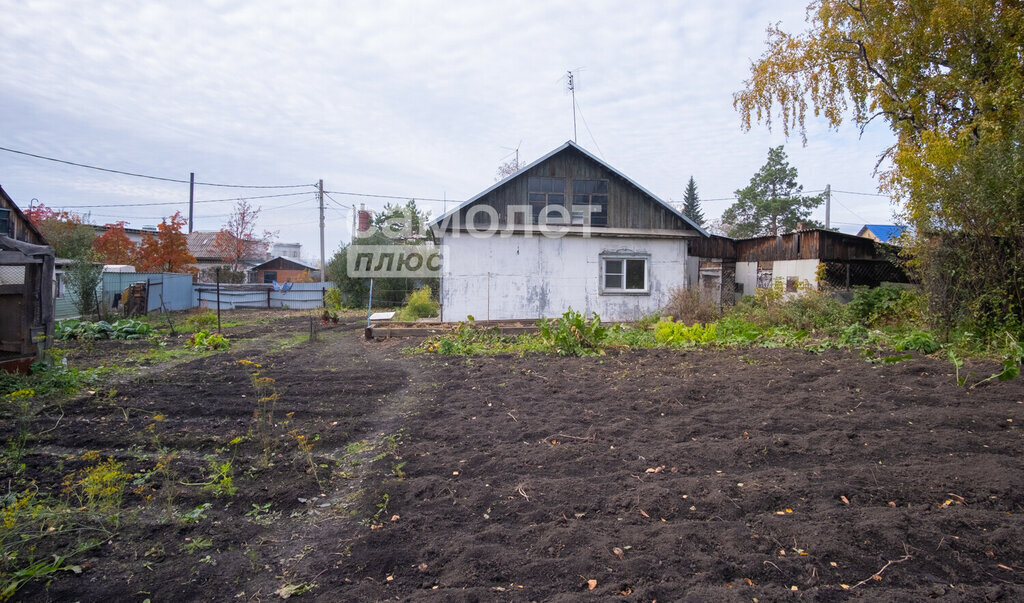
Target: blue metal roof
{"type": "Point", "coordinates": [885, 232]}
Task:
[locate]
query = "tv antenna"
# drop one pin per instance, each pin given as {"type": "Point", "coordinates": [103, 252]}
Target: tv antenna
{"type": "Point", "coordinates": [515, 150]}
{"type": "Point", "coordinates": [570, 84]}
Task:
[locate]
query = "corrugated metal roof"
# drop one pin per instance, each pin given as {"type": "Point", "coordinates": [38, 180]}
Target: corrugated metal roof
{"type": "Point", "coordinates": [885, 232]}
{"type": "Point", "coordinates": [569, 144]}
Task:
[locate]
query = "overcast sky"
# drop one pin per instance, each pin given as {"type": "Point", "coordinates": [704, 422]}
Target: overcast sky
{"type": "Point", "coordinates": [417, 100]}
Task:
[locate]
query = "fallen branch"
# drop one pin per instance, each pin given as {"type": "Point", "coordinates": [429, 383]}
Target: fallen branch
{"type": "Point", "coordinates": [513, 416]}
{"type": "Point", "coordinates": [878, 575]}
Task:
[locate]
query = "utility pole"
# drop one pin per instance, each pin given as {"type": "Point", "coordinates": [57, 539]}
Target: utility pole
{"type": "Point", "coordinates": [353, 222]}
{"type": "Point", "coordinates": [828, 205]}
{"type": "Point", "coordinates": [572, 89]}
{"type": "Point", "coordinates": [191, 197]}
{"type": "Point", "coordinates": [323, 264]}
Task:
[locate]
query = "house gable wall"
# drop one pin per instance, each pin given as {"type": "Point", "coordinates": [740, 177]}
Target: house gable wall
{"type": "Point", "coordinates": [628, 206]}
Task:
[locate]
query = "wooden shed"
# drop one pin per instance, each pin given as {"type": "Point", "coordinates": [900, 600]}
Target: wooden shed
{"type": "Point", "coordinates": [282, 269]}
{"type": "Point", "coordinates": [26, 289]}
{"type": "Point", "coordinates": [722, 266]}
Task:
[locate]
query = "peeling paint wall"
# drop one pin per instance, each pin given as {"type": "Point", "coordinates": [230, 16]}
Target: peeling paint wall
{"type": "Point", "coordinates": [805, 270]}
{"type": "Point", "coordinates": [521, 277]}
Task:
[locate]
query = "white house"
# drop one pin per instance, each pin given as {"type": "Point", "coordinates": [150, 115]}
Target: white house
{"type": "Point", "coordinates": [568, 230]}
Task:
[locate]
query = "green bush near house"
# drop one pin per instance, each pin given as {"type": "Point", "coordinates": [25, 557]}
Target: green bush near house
{"type": "Point", "coordinates": [419, 304]}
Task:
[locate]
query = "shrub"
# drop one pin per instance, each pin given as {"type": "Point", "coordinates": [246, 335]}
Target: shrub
{"type": "Point", "coordinates": [201, 320]}
{"type": "Point", "coordinates": [203, 340]}
{"type": "Point", "coordinates": [884, 304]}
{"type": "Point", "coordinates": [689, 306]}
{"type": "Point", "coordinates": [334, 299]}
{"type": "Point", "coordinates": [467, 338]}
{"type": "Point", "coordinates": [918, 340]}
{"type": "Point", "coordinates": [677, 333]}
{"type": "Point", "coordinates": [854, 334]}
{"type": "Point", "coordinates": [573, 335]}
{"type": "Point", "coordinates": [419, 305]}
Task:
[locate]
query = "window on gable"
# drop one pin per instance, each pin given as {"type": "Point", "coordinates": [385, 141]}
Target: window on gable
{"type": "Point", "coordinates": [544, 192]}
{"type": "Point", "coordinates": [592, 194]}
{"type": "Point", "coordinates": [5, 222]}
{"type": "Point", "coordinates": [624, 274]}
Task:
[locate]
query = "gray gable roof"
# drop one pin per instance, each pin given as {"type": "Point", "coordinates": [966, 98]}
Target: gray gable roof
{"type": "Point", "coordinates": [568, 144]}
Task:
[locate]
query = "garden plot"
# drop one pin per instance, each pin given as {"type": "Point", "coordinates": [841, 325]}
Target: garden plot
{"type": "Point", "coordinates": [356, 471]}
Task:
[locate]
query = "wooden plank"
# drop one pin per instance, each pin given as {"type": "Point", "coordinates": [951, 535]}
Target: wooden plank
{"type": "Point", "coordinates": [384, 332]}
{"type": "Point", "coordinates": [16, 258]}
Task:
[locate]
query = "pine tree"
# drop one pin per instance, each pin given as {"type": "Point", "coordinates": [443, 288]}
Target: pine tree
{"type": "Point", "coordinates": [691, 204]}
{"type": "Point", "coordinates": [773, 202]}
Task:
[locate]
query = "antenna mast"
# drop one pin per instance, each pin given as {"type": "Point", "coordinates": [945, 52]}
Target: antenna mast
{"type": "Point", "coordinates": [572, 89]}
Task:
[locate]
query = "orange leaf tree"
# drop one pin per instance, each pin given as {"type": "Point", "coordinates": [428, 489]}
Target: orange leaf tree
{"type": "Point", "coordinates": [114, 246]}
{"type": "Point", "coordinates": [167, 250]}
{"type": "Point", "coordinates": [238, 240]}
{"type": "Point", "coordinates": [67, 232]}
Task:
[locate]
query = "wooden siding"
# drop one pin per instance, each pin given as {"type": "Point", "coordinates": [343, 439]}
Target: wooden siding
{"type": "Point", "coordinates": [714, 246]}
{"type": "Point", "coordinates": [812, 245]}
{"type": "Point", "coordinates": [21, 228]}
{"type": "Point", "coordinates": [628, 206]}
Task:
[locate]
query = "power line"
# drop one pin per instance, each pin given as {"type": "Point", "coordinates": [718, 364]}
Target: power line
{"type": "Point", "coordinates": [585, 125]}
{"type": "Point", "coordinates": [181, 202]}
{"type": "Point", "coordinates": [403, 198]}
{"type": "Point", "coordinates": [862, 194]}
{"type": "Point", "coordinates": [135, 175]}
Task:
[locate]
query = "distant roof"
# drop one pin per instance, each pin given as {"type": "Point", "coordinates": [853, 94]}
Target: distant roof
{"type": "Point", "coordinates": [570, 144]}
{"type": "Point", "coordinates": [287, 259]}
{"type": "Point", "coordinates": [201, 244]}
{"type": "Point", "coordinates": [885, 233]}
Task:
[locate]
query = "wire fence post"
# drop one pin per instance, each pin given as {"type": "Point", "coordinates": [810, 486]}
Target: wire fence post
{"type": "Point", "coordinates": [218, 298]}
{"type": "Point", "coordinates": [369, 305]}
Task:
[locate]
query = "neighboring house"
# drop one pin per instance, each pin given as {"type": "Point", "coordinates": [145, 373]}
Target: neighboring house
{"type": "Point", "coordinates": [282, 269]}
{"type": "Point", "coordinates": [203, 246]}
{"type": "Point", "coordinates": [621, 251]}
{"type": "Point", "coordinates": [26, 288]}
{"type": "Point", "coordinates": [882, 233]}
{"type": "Point", "coordinates": [792, 258]}
{"type": "Point", "coordinates": [286, 250]}
{"type": "Point", "coordinates": [134, 234]}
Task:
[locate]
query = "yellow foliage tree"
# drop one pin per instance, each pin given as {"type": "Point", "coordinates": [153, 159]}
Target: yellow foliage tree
{"type": "Point", "coordinates": [946, 76]}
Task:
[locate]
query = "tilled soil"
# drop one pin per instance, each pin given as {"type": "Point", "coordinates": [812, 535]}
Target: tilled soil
{"type": "Point", "coordinates": [660, 474]}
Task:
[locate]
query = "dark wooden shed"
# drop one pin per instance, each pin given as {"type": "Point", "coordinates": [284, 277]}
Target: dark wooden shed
{"type": "Point", "coordinates": [26, 289]}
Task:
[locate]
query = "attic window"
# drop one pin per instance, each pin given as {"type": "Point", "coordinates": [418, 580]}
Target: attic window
{"type": "Point", "coordinates": [593, 193]}
{"type": "Point", "coordinates": [5, 222]}
{"type": "Point", "coordinates": [544, 192]}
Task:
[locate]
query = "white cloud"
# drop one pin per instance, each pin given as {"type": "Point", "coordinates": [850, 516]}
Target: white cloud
{"type": "Point", "coordinates": [405, 98]}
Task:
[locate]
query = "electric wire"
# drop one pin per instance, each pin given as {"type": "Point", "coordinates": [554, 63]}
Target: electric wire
{"type": "Point", "coordinates": [149, 177]}
{"type": "Point", "coordinates": [588, 128]}
{"type": "Point", "coordinates": [154, 203]}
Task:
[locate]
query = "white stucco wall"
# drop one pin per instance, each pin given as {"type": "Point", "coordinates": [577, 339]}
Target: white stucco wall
{"type": "Point", "coordinates": [805, 270]}
{"type": "Point", "coordinates": [746, 274]}
{"type": "Point", "coordinates": [530, 277]}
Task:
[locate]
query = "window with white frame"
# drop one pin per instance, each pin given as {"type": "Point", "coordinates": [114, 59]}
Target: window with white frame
{"type": "Point", "coordinates": [625, 273]}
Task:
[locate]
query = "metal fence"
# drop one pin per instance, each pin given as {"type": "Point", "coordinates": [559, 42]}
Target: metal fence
{"type": "Point", "coordinates": [844, 275]}
{"type": "Point", "coordinates": [167, 291]}
{"type": "Point", "coordinates": [301, 296]}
